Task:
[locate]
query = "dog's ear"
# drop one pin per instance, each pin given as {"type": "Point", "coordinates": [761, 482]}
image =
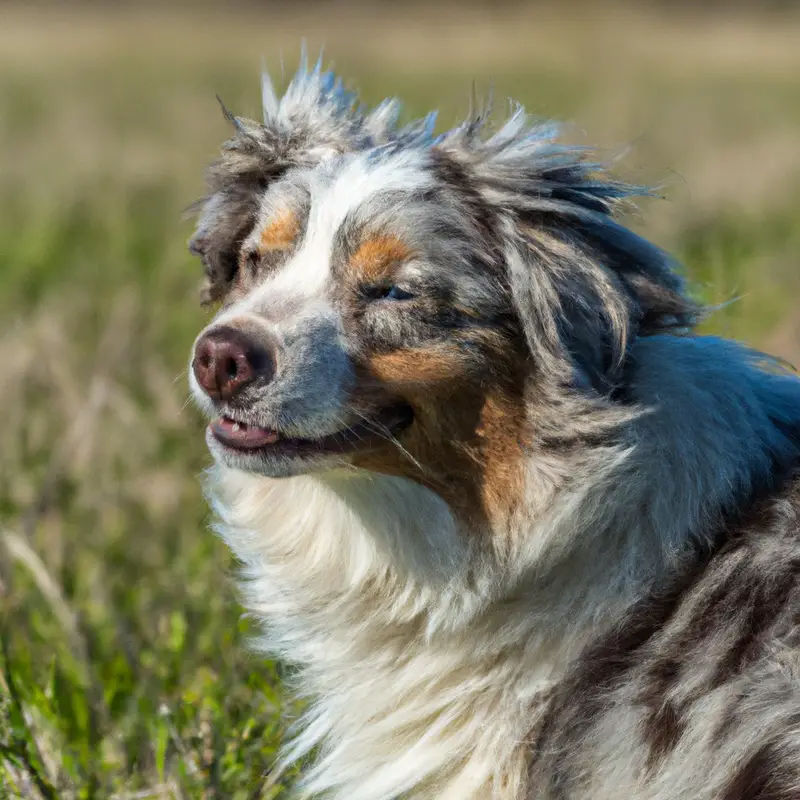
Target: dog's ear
{"type": "Point", "coordinates": [315, 119]}
{"type": "Point", "coordinates": [583, 285]}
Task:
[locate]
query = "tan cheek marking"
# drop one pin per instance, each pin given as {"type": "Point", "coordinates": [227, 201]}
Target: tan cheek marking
{"type": "Point", "coordinates": [444, 363]}
{"type": "Point", "coordinates": [475, 435]}
{"type": "Point", "coordinates": [280, 233]}
{"type": "Point", "coordinates": [375, 257]}
{"type": "Point", "coordinates": [500, 434]}
{"type": "Point", "coordinates": [416, 367]}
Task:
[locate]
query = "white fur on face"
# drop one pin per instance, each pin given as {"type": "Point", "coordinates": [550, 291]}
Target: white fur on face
{"type": "Point", "coordinates": [346, 186]}
{"type": "Point", "coordinates": [308, 397]}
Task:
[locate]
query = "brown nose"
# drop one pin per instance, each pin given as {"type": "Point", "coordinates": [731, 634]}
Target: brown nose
{"type": "Point", "coordinates": [226, 360]}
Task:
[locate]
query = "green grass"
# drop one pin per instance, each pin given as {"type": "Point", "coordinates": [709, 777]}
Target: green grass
{"type": "Point", "coordinates": [123, 663]}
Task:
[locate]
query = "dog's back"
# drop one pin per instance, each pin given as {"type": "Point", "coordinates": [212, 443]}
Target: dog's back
{"type": "Point", "coordinates": [696, 692]}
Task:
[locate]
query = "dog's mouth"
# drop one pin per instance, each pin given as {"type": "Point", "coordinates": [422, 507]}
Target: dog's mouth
{"type": "Point", "coordinates": [252, 439]}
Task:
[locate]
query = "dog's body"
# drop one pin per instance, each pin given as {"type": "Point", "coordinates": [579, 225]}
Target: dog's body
{"type": "Point", "coordinates": [523, 535]}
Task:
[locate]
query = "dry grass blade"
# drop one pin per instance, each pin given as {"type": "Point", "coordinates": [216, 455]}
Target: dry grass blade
{"type": "Point", "coordinates": [20, 551]}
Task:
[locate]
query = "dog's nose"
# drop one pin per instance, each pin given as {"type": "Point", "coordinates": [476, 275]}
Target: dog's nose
{"type": "Point", "coordinates": [226, 360]}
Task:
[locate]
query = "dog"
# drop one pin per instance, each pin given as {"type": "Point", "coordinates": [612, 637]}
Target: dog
{"type": "Point", "coordinates": [522, 533]}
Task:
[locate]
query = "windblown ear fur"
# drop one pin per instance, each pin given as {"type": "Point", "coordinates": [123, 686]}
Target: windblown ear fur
{"type": "Point", "coordinates": [583, 285]}
{"type": "Point", "coordinates": [316, 119]}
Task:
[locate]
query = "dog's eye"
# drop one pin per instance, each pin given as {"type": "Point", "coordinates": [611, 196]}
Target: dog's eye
{"type": "Point", "coordinates": [396, 293]}
{"type": "Point", "coordinates": [388, 293]}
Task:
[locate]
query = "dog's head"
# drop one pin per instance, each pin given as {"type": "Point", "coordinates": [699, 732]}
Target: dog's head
{"type": "Point", "coordinates": [412, 304]}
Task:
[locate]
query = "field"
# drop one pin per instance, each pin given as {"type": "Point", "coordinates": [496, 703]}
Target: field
{"type": "Point", "coordinates": [123, 668]}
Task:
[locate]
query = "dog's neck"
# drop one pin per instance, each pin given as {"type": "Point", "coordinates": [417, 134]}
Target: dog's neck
{"type": "Point", "coordinates": [425, 649]}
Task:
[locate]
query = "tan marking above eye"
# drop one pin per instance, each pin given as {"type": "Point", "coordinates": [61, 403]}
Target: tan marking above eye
{"type": "Point", "coordinates": [375, 257]}
{"type": "Point", "coordinates": [280, 233]}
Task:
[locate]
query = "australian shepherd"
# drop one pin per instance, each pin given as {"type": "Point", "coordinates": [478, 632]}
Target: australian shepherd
{"type": "Point", "coordinates": [521, 531]}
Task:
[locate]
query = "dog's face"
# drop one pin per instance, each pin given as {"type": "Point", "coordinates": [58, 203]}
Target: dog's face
{"type": "Point", "coordinates": [410, 305]}
{"type": "Point", "coordinates": [367, 323]}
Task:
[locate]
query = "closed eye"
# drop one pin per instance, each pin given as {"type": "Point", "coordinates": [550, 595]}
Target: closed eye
{"type": "Point", "coordinates": [387, 293]}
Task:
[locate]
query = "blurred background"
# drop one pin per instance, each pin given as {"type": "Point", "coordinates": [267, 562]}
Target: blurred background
{"type": "Point", "coordinates": [123, 669]}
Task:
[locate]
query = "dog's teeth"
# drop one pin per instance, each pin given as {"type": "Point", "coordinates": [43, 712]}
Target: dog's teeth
{"type": "Point", "coordinates": [235, 428]}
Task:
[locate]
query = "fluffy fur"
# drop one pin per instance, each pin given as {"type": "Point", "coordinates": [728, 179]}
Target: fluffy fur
{"type": "Point", "coordinates": [574, 573]}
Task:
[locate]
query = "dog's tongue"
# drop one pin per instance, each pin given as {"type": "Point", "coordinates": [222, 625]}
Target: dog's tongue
{"type": "Point", "coordinates": [240, 435]}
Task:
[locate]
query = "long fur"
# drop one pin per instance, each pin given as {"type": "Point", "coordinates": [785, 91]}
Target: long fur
{"type": "Point", "coordinates": [586, 623]}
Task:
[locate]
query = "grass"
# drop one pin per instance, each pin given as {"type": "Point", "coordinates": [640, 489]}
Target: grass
{"type": "Point", "coordinates": [123, 663]}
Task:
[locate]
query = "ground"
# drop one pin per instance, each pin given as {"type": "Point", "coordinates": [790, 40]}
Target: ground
{"type": "Point", "coordinates": [123, 668]}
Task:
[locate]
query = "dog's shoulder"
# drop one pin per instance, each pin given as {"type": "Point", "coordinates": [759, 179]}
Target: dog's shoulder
{"type": "Point", "coordinates": [697, 691]}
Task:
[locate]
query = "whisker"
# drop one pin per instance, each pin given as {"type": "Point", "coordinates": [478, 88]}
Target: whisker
{"type": "Point", "coordinates": [346, 431]}
{"type": "Point", "coordinates": [385, 433]}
